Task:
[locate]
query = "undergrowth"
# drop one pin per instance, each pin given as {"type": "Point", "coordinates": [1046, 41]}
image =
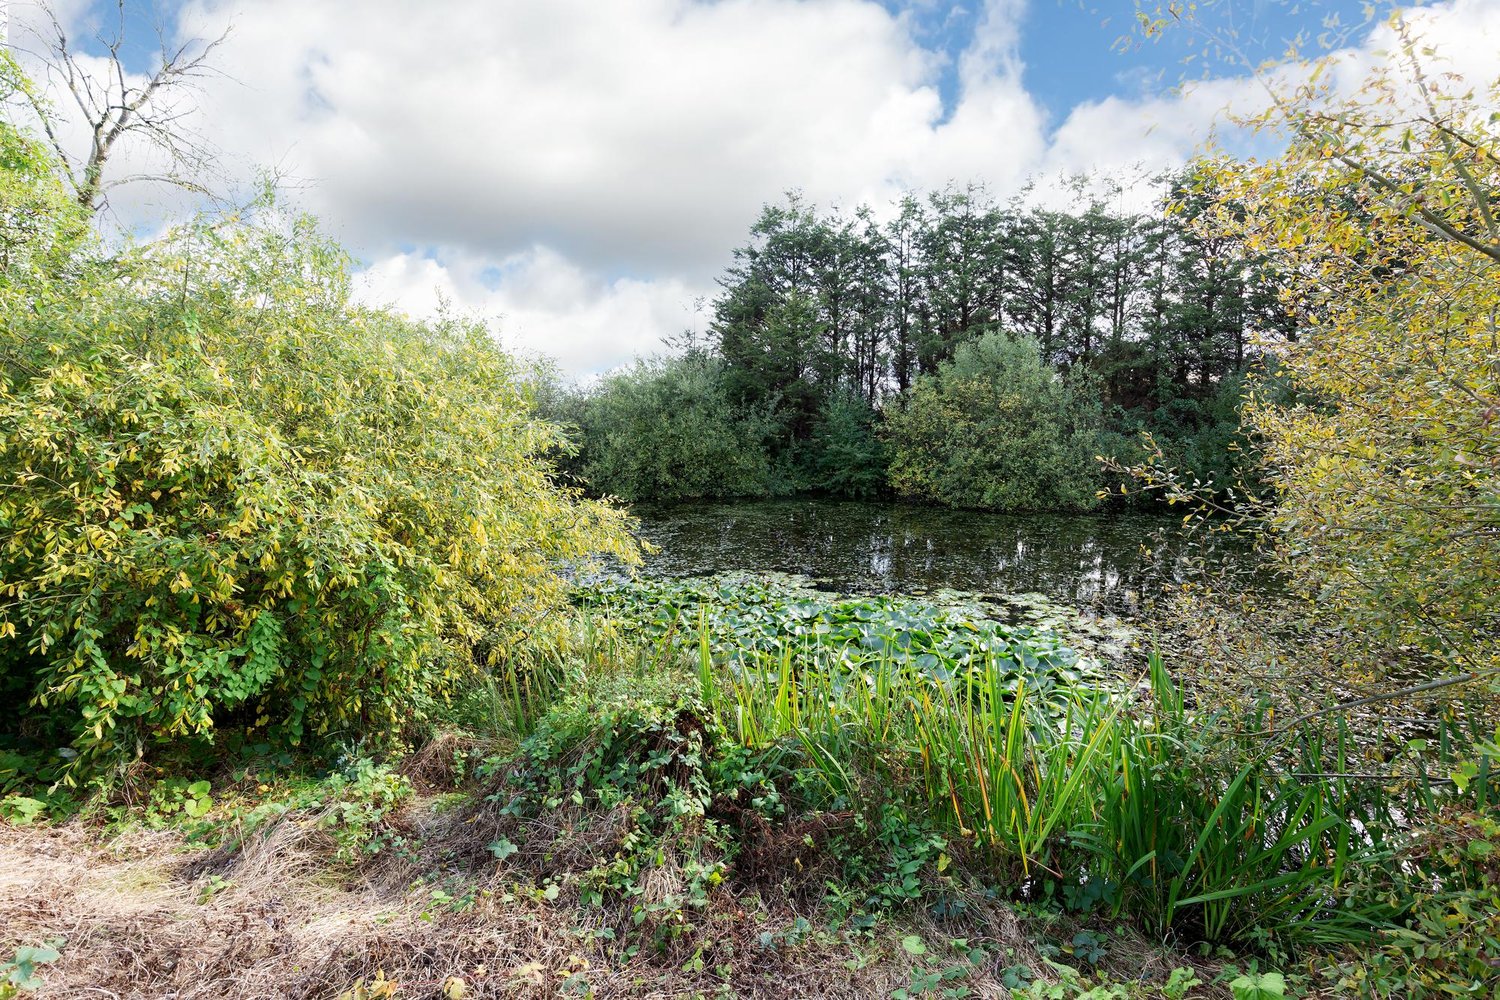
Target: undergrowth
{"type": "Point", "coordinates": [694, 789]}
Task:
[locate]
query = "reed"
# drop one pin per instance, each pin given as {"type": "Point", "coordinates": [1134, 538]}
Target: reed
{"type": "Point", "coordinates": [1194, 829]}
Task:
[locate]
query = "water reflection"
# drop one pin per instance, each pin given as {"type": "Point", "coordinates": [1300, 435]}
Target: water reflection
{"type": "Point", "coordinates": [1093, 562]}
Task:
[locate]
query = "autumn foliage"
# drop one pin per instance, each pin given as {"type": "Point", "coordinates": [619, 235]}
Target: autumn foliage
{"type": "Point", "coordinates": [1386, 469]}
{"type": "Point", "coordinates": [230, 497]}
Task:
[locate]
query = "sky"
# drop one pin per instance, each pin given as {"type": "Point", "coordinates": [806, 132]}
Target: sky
{"type": "Point", "coordinates": [577, 172]}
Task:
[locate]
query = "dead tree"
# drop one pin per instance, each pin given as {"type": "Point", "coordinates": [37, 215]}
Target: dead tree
{"type": "Point", "coordinates": [118, 107]}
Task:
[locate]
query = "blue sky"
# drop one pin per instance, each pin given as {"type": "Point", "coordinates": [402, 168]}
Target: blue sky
{"type": "Point", "coordinates": [1085, 50]}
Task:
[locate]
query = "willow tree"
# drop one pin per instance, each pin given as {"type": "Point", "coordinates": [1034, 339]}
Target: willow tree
{"type": "Point", "coordinates": [1383, 465]}
{"type": "Point", "coordinates": [234, 500]}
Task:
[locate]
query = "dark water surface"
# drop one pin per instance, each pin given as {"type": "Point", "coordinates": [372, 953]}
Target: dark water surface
{"type": "Point", "coordinates": [1094, 562]}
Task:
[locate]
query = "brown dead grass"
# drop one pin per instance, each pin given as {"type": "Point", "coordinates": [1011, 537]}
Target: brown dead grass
{"type": "Point", "coordinates": [288, 926]}
{"type": "Point", "coordinates": [285, 921]}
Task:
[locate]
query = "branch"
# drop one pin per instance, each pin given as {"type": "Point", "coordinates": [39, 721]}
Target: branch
{"type": "Point", "coordinates": [111, 108]}
{"type": "Point", "coordinates": [1415, 689]}
{"type": "Point", "coordinates": [1429, 219]}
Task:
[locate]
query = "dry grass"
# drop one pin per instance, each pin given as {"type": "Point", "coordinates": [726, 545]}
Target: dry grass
{"type": "Point", "coordinates": [137, 923]}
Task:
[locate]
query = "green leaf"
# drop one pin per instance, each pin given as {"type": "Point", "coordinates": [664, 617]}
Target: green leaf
{"type": "Point", "coordinates": [1265, 986]}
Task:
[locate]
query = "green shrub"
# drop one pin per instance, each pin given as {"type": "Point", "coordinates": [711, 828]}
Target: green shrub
{"type": "Point", "coordinates": [847, 456]}
{"type": "Point", "coordinates": [631, 764]}
{"type": "Point", "coordinates": [231, 497]}
{"type": "Point", "coordinates": [355, 805]}
{"type": "Point", "coordinates": [664, 429]}
{"type": "Point", "coordinates": [997, 429]}
{"type": "Point", "coordinates": [1449, 943]}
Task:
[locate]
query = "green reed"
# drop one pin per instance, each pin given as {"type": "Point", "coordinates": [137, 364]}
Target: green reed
{"type": "Point", "coordinates": [1193, 826]}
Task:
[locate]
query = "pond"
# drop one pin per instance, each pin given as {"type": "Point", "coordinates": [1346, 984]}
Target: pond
{"type": "Point", "coordinates": [1097, 563]}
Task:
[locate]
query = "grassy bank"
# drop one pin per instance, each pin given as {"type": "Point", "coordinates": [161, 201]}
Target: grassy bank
{"type": "Point", "coordinates": [752, 789]}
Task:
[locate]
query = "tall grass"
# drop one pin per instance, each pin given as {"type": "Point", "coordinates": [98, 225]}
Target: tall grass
{"type": "Point", "coordinates": [507, 700]}
{"type": "Point", "coordinates": [1201, 826]}
{"type": "Point", "coordinates": [1186, 819]}
{"type": "Point", "coordinates": [1193, 829]}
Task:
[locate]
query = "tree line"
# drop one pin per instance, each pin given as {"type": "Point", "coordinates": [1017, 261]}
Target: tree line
{"type": "Point", "coordinates": [955, 348]}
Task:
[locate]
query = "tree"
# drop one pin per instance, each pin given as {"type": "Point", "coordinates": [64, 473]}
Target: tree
{"type": "Point", "coordinates": [966, 263]}
{"type": "Point", "coordinates": [1153, 314]}
{"type": "Point", "coordinates": [997, 428]}
{"type": "Point", "coordinates": [771, 326]}
{"type": "Point", "coordinates": [848, 457]}
{"type": "Point", "coordinates": [665, 429]}
{"type": "Point", "coordinates": [116, 107]}
{"type": "Point", "coordinates": [902, 285]}
{"type": "Point", "coordinates": [1387, 475]}
{"type": "Point", "coordinates": [1381, 453]}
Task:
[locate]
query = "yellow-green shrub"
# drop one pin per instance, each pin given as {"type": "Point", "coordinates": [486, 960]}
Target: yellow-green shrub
{"type": "Point", "coordinates": [41, 225]}
{"type": "Point", "coordinates": [229, 495]}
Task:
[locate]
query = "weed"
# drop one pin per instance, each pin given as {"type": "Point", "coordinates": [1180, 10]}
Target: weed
{"type": "Point", "coordinates": [1259, 986]}
{"type": "Point", "coordinates": [211, 887]}
{"type": "Point", "coordinates": [355, 805]}
{"type": "Point", "coordinates": [1179, 982]}
{"type": "Point", "coordinates": [21, 971]}
{"type": "Point", "coordinates": [21, 809]}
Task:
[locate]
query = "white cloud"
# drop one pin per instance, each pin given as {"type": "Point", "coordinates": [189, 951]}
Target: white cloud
{"type": "Point", "coordinates": [633, 138]}
{"type": "Point", "coordinates": [582, 169]}
{"type": "Point", "coordinates": [638, 135]}
{"type": "Point", "coordinates": [542, 304]}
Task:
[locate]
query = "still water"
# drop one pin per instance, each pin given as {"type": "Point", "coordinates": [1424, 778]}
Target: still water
{"type": "Point", "coordinates": [1095, 562]}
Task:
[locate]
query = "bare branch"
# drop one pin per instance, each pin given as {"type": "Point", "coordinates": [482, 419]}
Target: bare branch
{"type": "Point", "coordinates": [114, 108]}
{"type": "Point", "coordinates": [1375, 699]}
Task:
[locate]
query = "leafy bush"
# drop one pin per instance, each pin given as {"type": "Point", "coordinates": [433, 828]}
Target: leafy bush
{"type": "Point", "coordinates": [1199, 438]}
{"type": "Point", "coordinates": [847, 456]}
{"type": "Point", "coordinates": [632, 765]}
{"type": "Point", "coordinates": [232, 497]}
{"type": "Point", "coordinates": [664, 429]}
{"type": "Point", "coordinates": [353, 808]}
{"type": "Point", "coordinates": [633, 793]}
{"type": "Point", "coordinates": [1449, 945]}
{"type": "Point", "coordinates": [996, 428]}
{"type": "Point", "coordinates": [41, 225]}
